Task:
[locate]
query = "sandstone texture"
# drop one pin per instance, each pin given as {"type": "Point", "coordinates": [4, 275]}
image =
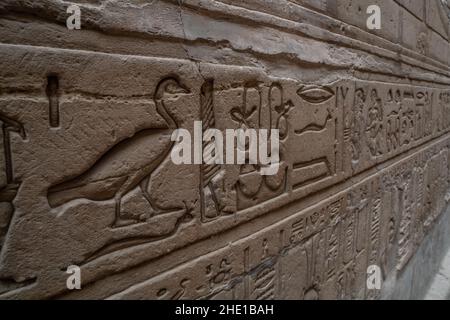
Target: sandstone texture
{"type": "Point", "coordinates": [86, 178]}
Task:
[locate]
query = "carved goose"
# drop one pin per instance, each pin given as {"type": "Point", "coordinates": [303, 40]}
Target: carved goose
{"type": "Point", "coordinates": [127, 164]}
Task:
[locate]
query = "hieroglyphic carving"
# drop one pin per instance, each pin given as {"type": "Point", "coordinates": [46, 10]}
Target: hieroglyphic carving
{"type": "Point", "coordinates": [356, 125]}
{"type": "Point", "coordinates": [53, 100]}
{"type": "Point", "coordinates": [211, 176]}
{"type": "Point", "coordinates": [176, 294]}
{"type": "Point", "coordinates": [253, 188]}
{"type": "Point", "coordinates": [368, 123]}
{"type": "Point", "coordinates": [247, 106]}
{"type": "Point", "coordinates": [8, 191]}
{"type": "Point", "coordinates": [435, 187]}
{"type": "Point", "coordinates": [385, 120]}
{"type": "Point", "coordinates": [316, 111]}
{"type": "Point", "coordinates": [317, 260]}
{"type": "Point", "coordinates": [354, 229]}
{"type": "Point", "coordinates": [374, 240]}
{"type": "Point", "coordinates": [279, 105]}
{"type": "Point", "coordinates": [443, 114]}
{"type": "Point", "coordinates": [374, 127]}
{"type": "Point", "coordinates": [219, 275]}
{"type": "Point", "coordinates": [263, 282]}
{"type": "Point", "coordinates": [394, 113]}
{"type": "Point", "coordinates": [391, 200]}
{"type": "Point", "coordinates": [422, 43]}
{"type": "Point", "coordinates": [334, 143]}
{"type": "Point", "coordinates": [126, 166]}
{"type": "Point", "coordinates": [298, 110]}
{"type": "Point", "coordinates": [333, 238]}
{"type": "Point", "coordinates": [312, 109]}
{"type": "Point", "coordinates": [406, 226]}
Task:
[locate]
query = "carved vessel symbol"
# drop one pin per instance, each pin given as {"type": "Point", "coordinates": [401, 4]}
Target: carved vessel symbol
{"type": "Point", "coordinates": [315, 126]}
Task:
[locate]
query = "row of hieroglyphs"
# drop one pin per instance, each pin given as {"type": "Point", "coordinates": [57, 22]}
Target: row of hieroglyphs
{"type": "Point", "coordinates": [351, 126]}
{"type": "Point", "coordinates": [92, 162]}
{"type": "Point", "coordinates": [328, 133]}
{"type": "Point", "coordinates": [324, 251]}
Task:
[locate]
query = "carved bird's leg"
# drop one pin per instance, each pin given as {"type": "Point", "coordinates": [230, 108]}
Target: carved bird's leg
{"type": "Point", "coordinates": [118, 200]}
{"type": "Point", "coordinates": [118, 221]}
{"type": "Point", "coordinates": [144, 188]}
{"type": "Point", "coordinates": [157, 210]}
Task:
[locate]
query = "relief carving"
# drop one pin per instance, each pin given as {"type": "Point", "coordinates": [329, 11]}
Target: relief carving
{"type": "Point", "coordinates": [328, 243]}
{"type": "Point", "coordinates": [8, 191]}
{"type": "Point", "coordinates": [315, 121]}
{"type": "Point", "coordinates": [329, 134]}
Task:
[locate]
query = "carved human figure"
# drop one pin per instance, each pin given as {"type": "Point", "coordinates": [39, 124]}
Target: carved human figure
{"type": "Point", "coordinates": [375, 124]}
{"type": "Point", "coordinates": [393, 121]}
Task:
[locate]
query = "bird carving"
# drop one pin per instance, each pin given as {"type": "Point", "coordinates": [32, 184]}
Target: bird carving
{"type": "Point", "coordinates": [8, 192]}
{"type": "Point", "coordinates": [128, 164]}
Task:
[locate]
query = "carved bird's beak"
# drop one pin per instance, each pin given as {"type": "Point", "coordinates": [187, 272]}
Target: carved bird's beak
{"type": "Point", "coordinates": [20, 130]}
{"type": "Point", "coordinates": [13, 126]}
{"type": "Point", "coordinates": [17, 128]}
{"type": "Point", "coordinates": [22, 133]}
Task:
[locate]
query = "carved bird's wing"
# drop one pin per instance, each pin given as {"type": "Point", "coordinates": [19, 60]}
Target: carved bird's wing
{"type": "Point", "coordinates": [132, 158]}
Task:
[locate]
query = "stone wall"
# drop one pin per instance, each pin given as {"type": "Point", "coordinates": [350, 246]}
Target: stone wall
{"type": "Point", "coordinates": [85, 173]}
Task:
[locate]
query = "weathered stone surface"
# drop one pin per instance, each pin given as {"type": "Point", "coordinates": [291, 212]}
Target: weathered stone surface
{"type": "Point", "coordinates": [87, 115]}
